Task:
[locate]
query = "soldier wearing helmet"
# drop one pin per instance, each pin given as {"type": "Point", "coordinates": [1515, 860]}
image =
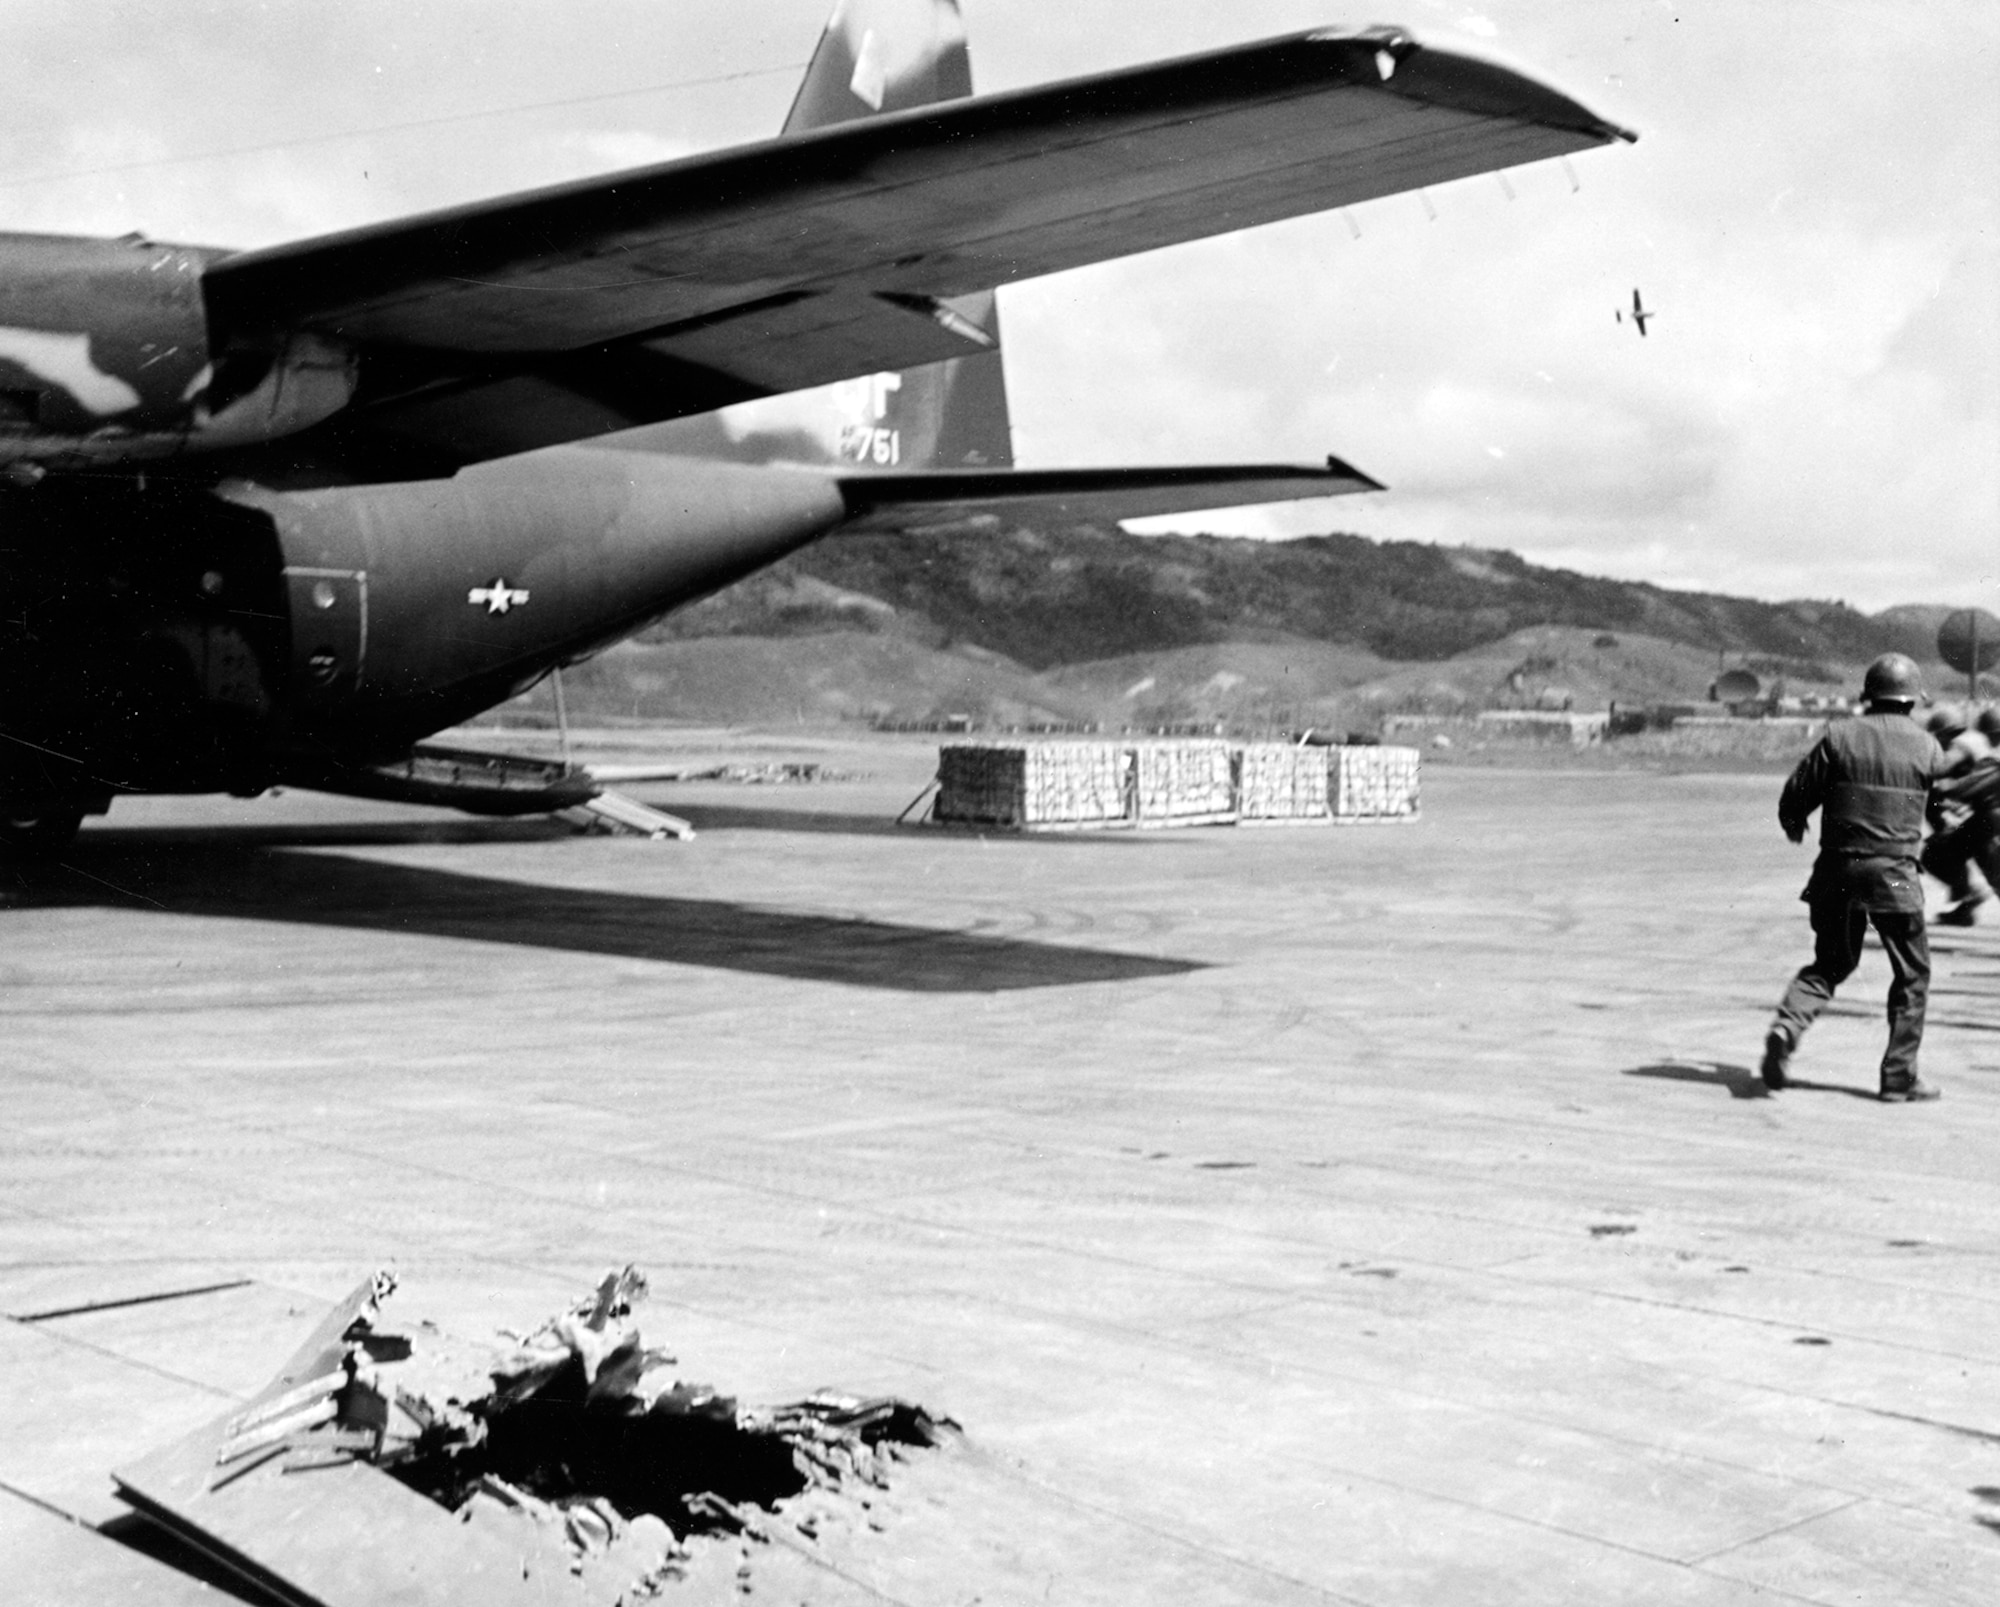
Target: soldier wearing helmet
{"type": "Point", "coordinates": [1871, 779]}
{"type": "Point", "coordinates": [1967, 816]}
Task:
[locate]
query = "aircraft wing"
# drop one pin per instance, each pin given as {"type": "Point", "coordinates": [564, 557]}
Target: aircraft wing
{"type": "Point", "coordinates": [668, 290]}
{"type": "Point", "coordinates": [976, 498]}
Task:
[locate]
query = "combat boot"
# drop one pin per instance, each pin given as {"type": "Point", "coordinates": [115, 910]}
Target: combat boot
{"type": "Point", "coordinates": [1964, 912]}
{"type": "Point", "coordinates": [1777, 1058]}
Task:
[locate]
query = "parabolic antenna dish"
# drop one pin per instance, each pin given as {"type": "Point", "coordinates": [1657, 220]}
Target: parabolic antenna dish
{"type": "Point", "coordinates": [1957, 637]}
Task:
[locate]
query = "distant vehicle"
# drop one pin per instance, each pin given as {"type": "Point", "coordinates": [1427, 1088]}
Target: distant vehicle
{"type": "Point", "coordinates": [1640, 313]}
{"type": "Point", "coordinates": [277, 516]}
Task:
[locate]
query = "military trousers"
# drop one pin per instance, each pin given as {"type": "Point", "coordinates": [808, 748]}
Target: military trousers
{"type": "Point", "coordinates": [1839, 925]}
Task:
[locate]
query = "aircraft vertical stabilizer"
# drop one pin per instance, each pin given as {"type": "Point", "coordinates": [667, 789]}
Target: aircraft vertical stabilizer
{"type": "Point", "coordinates": [883, 56]}
{"type": "Point", "coordinates": [876, 57]}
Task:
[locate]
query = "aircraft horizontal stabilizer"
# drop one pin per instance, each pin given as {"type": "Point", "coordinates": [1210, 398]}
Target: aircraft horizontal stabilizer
{"type": "Point", "coordinates": [895, 502]}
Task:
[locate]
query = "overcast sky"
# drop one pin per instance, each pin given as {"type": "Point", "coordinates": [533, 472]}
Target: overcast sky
{"type": "Point", "coordinates": [1811, 208]}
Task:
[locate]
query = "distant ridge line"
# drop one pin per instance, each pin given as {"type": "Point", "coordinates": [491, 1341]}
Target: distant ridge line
{"type": "Point", "coordinates": [1051, 594]}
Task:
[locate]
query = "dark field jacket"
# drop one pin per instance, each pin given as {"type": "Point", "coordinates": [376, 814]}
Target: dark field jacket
{"type": "Point", "coordinates": [1870, 778]}
{"type": "Point", "coordinates": [1975, 781]}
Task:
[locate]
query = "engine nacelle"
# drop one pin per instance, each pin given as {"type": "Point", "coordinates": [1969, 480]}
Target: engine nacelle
{"type": "Point", "coordinates": [106, 356]}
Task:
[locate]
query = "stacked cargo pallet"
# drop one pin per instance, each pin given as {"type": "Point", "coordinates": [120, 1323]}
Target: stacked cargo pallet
{"type": "Point", "coordinates": [1375, 783]}
{"type": "Point", "coordinates": [1182, 784]}
{"type": "Point", "coordinates": [1031, 785]}
{"type": "Point", "coordinates": [1081, 786]}
{"type": "Point", "coordinates": [1279, 781]}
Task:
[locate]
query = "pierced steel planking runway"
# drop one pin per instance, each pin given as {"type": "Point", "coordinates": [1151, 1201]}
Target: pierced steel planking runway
{"type": "Point", "coordinates": [1383, 1216]}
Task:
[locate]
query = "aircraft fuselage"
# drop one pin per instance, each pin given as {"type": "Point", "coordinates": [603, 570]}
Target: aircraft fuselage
{"type": "Point", "coordinates": [165, 636]}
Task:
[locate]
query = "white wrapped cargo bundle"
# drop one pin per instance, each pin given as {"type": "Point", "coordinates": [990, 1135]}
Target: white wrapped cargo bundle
{"type": "Point", "coordinates": [1281, 781]}
{"type": "Point", "coordinates": [1030, 784]}
{"type": "Point", "coordinates": [1180, 783]}
{"type": "Point", "coordinates": [1078, 786]}
{"type": "Point", "coordinates": [1374, 783]}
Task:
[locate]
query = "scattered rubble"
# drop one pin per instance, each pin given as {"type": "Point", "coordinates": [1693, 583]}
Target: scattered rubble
{"type": "Point", "coordinates": [570, 1465]}
{"type": "Point", "coordinates": [768, 775]}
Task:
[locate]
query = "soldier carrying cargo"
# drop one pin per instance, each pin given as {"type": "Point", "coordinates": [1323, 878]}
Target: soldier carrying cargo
{"type": "Point", "coordinates": [1871, 779]}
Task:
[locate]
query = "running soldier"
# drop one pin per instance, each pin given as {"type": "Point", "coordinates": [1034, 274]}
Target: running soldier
{"type": "Point", "coordinates": [1871, 779]}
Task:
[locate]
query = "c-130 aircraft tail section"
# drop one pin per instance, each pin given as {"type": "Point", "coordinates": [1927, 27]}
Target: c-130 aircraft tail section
{"type": "Point", "coordinates": [511, 461]}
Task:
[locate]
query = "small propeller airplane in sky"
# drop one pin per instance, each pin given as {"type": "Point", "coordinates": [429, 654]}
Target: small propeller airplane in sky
{"type": "Point", "coordinates": [1640, 314]}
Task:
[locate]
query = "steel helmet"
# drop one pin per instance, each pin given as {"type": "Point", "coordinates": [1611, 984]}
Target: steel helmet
{"type": "Point", "coordinates": [1946, 722]}
{"type": "Point", "coordinates": [1892, 678]}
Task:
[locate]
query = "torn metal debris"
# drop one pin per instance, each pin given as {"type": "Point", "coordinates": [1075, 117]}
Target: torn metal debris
{"type": "Point", "coordinates": [569, 1465]}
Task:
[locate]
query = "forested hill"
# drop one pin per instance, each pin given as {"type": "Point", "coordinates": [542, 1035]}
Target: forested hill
{"type": "Point", "coordinates": [1070, 593]}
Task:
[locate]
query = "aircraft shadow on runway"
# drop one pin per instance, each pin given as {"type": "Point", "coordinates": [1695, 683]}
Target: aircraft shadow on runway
{"type": "Point", "coordinates": [1741, 1081]}
{"type": "Point", "coordinates": [316, 888]}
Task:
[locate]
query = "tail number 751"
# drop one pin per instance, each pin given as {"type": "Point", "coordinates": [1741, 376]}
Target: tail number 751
{"type": "Point", "coordinates": [861, 443]}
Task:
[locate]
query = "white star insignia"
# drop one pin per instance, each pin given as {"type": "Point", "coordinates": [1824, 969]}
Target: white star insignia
{"type": "Point", "coordinates": [498, 597]}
